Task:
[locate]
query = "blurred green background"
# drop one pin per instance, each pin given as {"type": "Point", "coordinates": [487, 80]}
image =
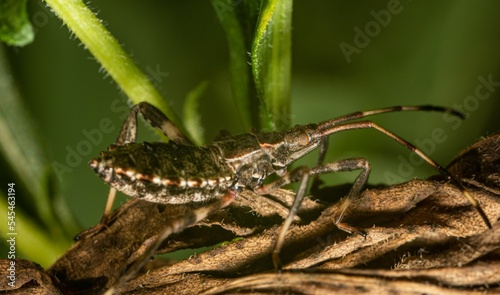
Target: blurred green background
{"type": "Point", "coordinates": [423, 52]}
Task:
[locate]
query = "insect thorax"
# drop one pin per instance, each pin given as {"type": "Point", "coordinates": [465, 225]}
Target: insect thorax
{"type": "Point", "coordinates": [247, 159]}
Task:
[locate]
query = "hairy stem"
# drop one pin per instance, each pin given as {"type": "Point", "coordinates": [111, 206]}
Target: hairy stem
{"type": "Point", "coordinates": [105, 48]}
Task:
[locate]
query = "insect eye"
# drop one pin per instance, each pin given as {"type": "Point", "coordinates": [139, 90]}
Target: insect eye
{"type": "Point", "coordinates": [303, 138]}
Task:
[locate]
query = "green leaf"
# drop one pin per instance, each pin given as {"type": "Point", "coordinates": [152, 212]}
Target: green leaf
{"type": "Point", "coordinates": [192, 119]}
{"type": "Point", "coordinates": [15, 28]}
{"type": "Point", "coordinates": [27, 166]}
{"type": "Point", "coordinates": [20, 147]}
{"type": "Point", "coordinates": [271, 62]}
{"type": "Point", "coordinates": [238, 19]}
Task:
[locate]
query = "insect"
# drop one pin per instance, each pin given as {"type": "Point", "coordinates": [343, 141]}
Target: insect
{"type": "Point", "coordinates": [179, 172]}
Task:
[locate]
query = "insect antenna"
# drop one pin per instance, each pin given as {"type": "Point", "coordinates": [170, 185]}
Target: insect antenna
{"type": "Point", "coordinates": [360, 115]}
{"type": "Point", "coordinates": [344, 123]}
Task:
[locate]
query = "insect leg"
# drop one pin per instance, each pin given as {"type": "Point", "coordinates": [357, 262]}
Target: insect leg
{"type": "Point", "coordinates": [302, 174]}
{"type": "Point", "coordinates": [156, 119]}
{"type": "Point", "coordinates": [326, 130]}
{"type": "Point", "coordinates": [323, 148]}
{"type": "Point", "coordinates": [299, 197]}
{"type": "Point", "coordinates": [109, 206]}
{"type": "Point", "coordinates": [358, 115]}
{"type": "Point", "coordinates": [354, 192]}
{"type": "Point", "coordinates": [175, 226]}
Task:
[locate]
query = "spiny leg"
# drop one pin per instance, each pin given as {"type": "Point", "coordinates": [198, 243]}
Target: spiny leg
{"type": "Point", "coordinates": [156, 119]}
{"type": "Point", "coordinates": [302, 174]}
{"type": "Point", "coordinates": [176, 226]}
{"type": "Point", "coordinates": [109, 206]}
{"type": "Point", "coordinates": [354, 192]}
{"type": "Point", "coordinates": [323, 148]}
{"type": "Point", "coordinates": [327, 129]}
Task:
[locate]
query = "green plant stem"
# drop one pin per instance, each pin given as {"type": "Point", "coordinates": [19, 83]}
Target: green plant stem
{"type": "Point", "coordinates": [271, 62]}
{"type": "Point", "coordinates": [238, 20]}
{"type": "Point", "coordinates": [105, 48]}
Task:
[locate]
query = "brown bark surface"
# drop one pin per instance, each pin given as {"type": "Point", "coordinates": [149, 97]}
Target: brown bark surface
{"type": "Point", "coordinates": [423, 237]}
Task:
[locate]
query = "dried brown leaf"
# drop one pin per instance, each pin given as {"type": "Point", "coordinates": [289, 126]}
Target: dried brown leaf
{"type": "Point", "coordinates": [423, 237]}
{"type": "Point", "coordinates": [27, 278]}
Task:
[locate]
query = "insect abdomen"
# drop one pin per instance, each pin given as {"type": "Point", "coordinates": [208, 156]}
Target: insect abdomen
{"type": "Point", "coordinates": [163, 172]}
